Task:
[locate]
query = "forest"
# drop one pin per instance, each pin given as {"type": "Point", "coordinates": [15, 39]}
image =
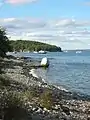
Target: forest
{"type": "Point", "coordinates": [26, 45]}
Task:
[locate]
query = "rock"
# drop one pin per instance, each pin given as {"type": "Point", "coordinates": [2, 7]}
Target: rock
{"type": "Point", "coordinates": [57, 107]}
{"type": "Point", "coordinates": [39, 110]}
{"type": "Point", "coordinates": [46, 110]}
{"type": "Point", "coordinates": [88, 118]}
{"type": "Point", "coordinates": [34, 109]}
{"type": "Point", "coordinates": [65, 109]}
{"type": "Point", "coordinates": [44, 62]}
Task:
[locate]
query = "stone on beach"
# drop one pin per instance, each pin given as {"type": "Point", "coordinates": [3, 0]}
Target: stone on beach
{"type": "Point", "coordinates": [44, 62]}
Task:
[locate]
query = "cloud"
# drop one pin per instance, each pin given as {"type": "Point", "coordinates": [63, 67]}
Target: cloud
{"type": "Point", "coordinates": [12, 23]}
{"type": "Point", "coordinates": [19, 1]}
{"type": "Point", "coordinates": [67, 33]}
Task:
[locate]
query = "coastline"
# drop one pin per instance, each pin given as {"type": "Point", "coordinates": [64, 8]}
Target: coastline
{"type": "Point", "coordinates": [33, 72]}
{"type": "Point", "coordinates": [65, 105]}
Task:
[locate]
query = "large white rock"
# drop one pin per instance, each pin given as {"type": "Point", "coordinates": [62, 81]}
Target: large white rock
{"type": "Point", "coordinates": [44, 62]}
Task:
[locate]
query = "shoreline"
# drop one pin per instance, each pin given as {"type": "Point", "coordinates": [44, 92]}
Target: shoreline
{"type": "Point", "coordinates": [63, 105]}
{"type": "Point", "coordinates": [34, 73]}
{"type": "Point", "coordinates": [31, 67]}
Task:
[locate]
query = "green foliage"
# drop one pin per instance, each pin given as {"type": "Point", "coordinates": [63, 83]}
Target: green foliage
{"type": "Point", "coordinates": [46, 99]}
{"type": "Point", "coordinates": [11, 106]}
{"type": "Point", "coordinates": [32, 46]}
{"type": "Point", "coordinates": [4, 43]}
{"type": "Point", "coordinates": [29, 95]}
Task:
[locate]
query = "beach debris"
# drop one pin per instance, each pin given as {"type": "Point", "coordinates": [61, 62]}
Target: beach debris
{"type": "Point", "coordinates": [44, 62]}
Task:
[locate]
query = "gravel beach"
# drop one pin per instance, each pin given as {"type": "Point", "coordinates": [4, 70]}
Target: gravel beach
{"type": "Point", "coordinates": [33, 98]}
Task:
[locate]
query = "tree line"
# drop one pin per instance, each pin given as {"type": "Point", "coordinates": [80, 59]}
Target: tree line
{"type": "Point", "coordinates": [24, 45]}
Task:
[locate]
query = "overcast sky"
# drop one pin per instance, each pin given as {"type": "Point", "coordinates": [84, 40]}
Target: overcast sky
{"type": "Point", "coordinates": [65, 23]}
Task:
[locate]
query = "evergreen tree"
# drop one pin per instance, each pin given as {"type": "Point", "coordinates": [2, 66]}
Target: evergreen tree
{"type": "Point", "coordinates": [4, 43]}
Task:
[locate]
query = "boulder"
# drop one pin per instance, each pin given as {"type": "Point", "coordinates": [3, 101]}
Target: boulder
{"type": "Point", "coordinates": [44, 62]}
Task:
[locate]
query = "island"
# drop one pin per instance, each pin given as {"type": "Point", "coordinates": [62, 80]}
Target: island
{"type": "Point", "coordinates": [32, 46]}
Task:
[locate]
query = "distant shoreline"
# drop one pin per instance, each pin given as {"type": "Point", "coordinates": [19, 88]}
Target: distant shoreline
{"type": "Point", "coordinates": [27, 45]}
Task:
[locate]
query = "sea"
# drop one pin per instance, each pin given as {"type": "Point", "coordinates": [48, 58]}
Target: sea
{"type": "Point", "coordinates": [69, 69]}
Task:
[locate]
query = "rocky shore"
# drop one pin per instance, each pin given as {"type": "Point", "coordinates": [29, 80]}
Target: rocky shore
{"type": "Point", "coordinates": [27, 97]}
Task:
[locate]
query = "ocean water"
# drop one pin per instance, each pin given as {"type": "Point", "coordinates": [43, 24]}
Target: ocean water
{"type": "Point", "coordinates": [70, 69]}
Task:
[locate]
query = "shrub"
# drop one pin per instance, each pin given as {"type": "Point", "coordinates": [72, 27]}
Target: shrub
{"type": "Point", "coordinates": [29, 95]}
{"type": "Point", "coordinates": [12, 107]}
{"type": "Point", "coordinates": [46, 99]}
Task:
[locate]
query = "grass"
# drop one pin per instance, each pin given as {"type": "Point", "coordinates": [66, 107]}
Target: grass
{"type": "Point", "coordinates": [29, 95]}
{"type": "Point", "coordinates": [12, 106]}
{"type": "Point", "coordinates": [46, 99]}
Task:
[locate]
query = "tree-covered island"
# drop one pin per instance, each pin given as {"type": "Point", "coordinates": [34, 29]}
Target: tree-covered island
{"type": "Point", "coordinates": [26, 45]}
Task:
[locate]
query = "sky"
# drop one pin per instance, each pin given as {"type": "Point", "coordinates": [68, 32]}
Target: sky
{"type": "Point", "coordinates": [65, 23]}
